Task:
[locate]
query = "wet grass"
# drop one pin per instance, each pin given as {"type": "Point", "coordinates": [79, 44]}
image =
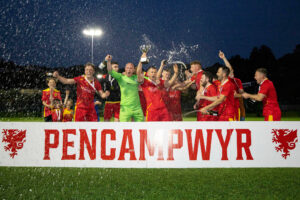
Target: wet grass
{"type": "Point", "coordinates": [92, 183]}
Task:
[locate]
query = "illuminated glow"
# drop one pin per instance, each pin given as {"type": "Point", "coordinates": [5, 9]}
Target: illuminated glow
{"type": "Point", "coordinates": [92, 32]}
{"type": "Point", "coordinates": [159, 137]}
{"type": "Point", "coordinates": [99, 76]}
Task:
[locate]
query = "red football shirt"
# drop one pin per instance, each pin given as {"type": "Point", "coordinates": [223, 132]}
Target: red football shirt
{"type": "Point", "coordinates": [217, 83]}
{"type": "Point", "coordinates": [174, 105]}
{"type": "Point", "coordinates": [267, 88]}
{"type": "Point", "coordinates": [226, 108]}
{"type": "Point", "coordinates": [237, 86]}
{"type": "Point", "coordinates": [165, 94]}
{"type": "Point", "coordinates": [175, 101]}
{"type": "Point", "coordinates": [67, 115]}
{"type": "Point", "coordinates": [153, 94]}
{"type": "Point", "coordinates": [86, 92]}
{"type": "Point", "coordinates": [56, 115]}
{"type": "Point", "coordinates": [210, 91]}
{"type": "Point", "coordinates": [197, 78]}
{"type": "Point", "coordinates": [46, 98]}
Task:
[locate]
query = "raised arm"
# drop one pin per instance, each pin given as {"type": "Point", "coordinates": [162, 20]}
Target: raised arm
{"type": "Point", "coordinates": [139, 70]}
{"type": "Point", "coordinates": [63, 79]}
{"type": "Point", "coordinates": [174, 77]}
{"type": "Point", "coordinates": [162, 65]}
{"type": "Point", "coordinates": [207, 98]}
{"type": "Point", "coordinates": [256, 97]}
{"type": "Point", "coordinates": [237, 95]}
{"type": "Point", "coordinates": [183, 86]}
{"type": "Point", "coordinates": [108, 59]}
{"type": "Point", "coordinates": [67, 97]}
{"type": "Point", "coordinates": [226, 62]}
{"type": "Point", "coordinates": [213, 104]}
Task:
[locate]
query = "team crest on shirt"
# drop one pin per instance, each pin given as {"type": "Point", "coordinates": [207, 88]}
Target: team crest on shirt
{"type": "Point", "coordinates": [15, 139]}
{"type": "Point", "coordinates": [285, 141]}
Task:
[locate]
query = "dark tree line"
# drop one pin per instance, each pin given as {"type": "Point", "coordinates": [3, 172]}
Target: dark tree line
{"type": "Point", "coordinates": [284, 72]}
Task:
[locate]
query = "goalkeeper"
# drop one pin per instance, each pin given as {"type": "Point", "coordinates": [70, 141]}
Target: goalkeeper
{"type": "Point", "coordinates": [130, 106]}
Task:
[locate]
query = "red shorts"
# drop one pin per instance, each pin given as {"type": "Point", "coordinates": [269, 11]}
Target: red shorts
{"type": "Point", "coordinates": [209, 118]}
{"type": "Point", "coordinates": [201, 117]}
{"type": "Point", "coordinates": [86, 114]}
{"type": "Point", "coordinates": [226, 118]}
{"type": "Point", "coordinates": [237, 114]}
{"type": "Point", "coordinates": [111, 108]}
{"type": "Point", "coordinates": [175, 112]}
{"type": "Point", "coordinates": [176, 116]}
{"type": "Point", "coordinates": [161, 114]}
{"type": "Point", "coordinates": [272, 115]}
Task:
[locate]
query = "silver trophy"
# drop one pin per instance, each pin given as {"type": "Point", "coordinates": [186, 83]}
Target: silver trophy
{"type": "Point", "coordinates": [144, 49]}
{"type": "Point", "coordinates": [49, 74]}
{"type": "Point", "coordinates": [103, 64]}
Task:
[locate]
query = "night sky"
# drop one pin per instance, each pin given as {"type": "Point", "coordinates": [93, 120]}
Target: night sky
{"type": "Point", "coordinates": [48, 33]}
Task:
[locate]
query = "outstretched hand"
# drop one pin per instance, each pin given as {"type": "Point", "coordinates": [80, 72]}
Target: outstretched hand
{"type": "Point", "coordinates": [163, 63]}
{"type": "Point", "coordinates": [97, 103]}
{"type": "Point", "coordinates": [204, 111]}
{"type": "Point", "coordinates": [144, 55]}
{"type": "Point", "coordinates": [108, 57]}
{"type": "Point", "coordinates": [107, 93]}
{"type": "Point", "coordinates": [221, 54]}
{"type": "Point", "coordinates": [55, 74]}
{"type": "Point", "coordinates": [196, 106]}
{"type": "Point", "coordinates": [245, 95]}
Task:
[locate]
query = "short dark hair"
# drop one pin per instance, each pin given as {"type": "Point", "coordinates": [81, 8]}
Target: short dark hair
{"type": "Point", "coordinates": [167, 70]}
{"type": "Point", "coordinates": [263, 71]}
{"type": "Point", "coordinates": [196, 62]}
{"type": "Point", "coordinates": [89, 64]}
{"type": "Point", "coordinates": [49, 79]}
{"type": "Point", "coordinates": [114, 63]}
{"type": "Point", "coordinates": [151, 67]}
{"type": "Point", "coordinates": [225, 70]}
{"type": "Point", "coordinates": [208, 75]}
{"type": "Point", "coordinates": [214, 76]}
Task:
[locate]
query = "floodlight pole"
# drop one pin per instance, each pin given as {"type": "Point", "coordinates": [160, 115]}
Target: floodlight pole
{"type": "Point", "coordinates": [92, 48]}
{"type": "Point", "coordinates": [92, 33]}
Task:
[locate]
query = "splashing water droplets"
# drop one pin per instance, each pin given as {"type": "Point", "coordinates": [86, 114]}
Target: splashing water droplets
{"type": "Point", "coordinates": [178, 52]}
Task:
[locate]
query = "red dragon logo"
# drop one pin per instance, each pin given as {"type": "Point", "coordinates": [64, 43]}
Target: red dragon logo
{"type": "Point", "coordinates": [285, 140]}
{"type": "Point", "coordinates": [15, 139]}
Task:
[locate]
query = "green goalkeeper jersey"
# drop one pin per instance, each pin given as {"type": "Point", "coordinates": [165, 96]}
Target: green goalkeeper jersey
{"type": "Point", "coordinates": [129, 90]}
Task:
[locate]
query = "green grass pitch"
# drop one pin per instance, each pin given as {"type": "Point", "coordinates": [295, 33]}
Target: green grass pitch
{"type": "Point", "coordinates": [93, 183]}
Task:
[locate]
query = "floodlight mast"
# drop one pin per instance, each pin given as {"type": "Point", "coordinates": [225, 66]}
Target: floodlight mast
{"type": "Point", "coordinates": [93, 33]}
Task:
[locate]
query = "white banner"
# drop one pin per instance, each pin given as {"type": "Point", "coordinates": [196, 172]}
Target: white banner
{"type": "Point", "coordinates": [150, 144]}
